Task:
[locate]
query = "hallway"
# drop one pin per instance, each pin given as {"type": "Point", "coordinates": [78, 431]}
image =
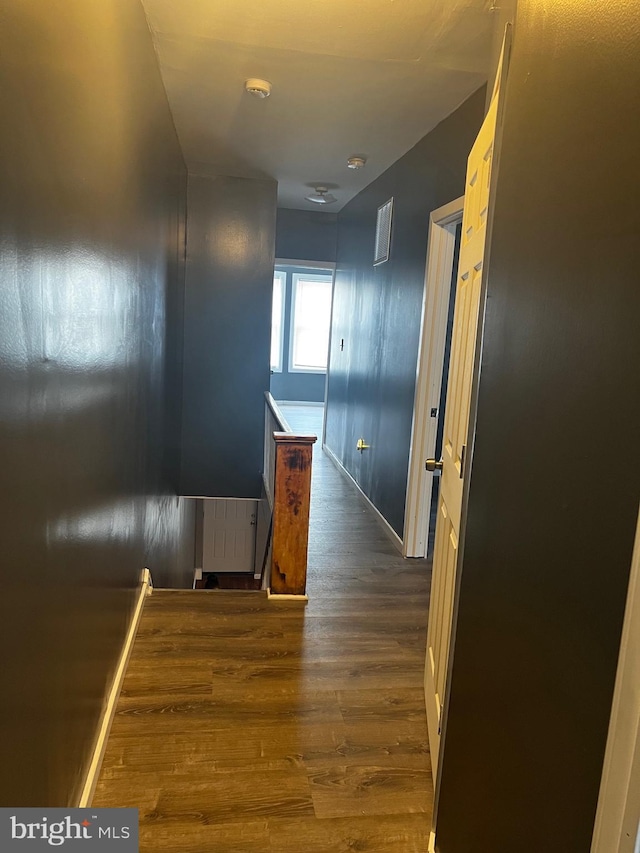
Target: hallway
{"type": "Point", "coordinates": [247, 725]}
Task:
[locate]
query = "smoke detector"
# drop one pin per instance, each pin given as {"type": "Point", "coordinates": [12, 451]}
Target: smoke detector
{"type": "Point", "coordinates": [321, 196]}
{"type": "Point", "coordinates": [258, 88]}
{"type": "Point", "coordinates": [356, 162]}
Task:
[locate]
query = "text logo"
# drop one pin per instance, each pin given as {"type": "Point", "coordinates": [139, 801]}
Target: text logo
{"type": "Point", "coordinates": [80, 830]}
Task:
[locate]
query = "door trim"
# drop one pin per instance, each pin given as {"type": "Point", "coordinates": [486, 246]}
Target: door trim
{"type": "Point", "coordinates": [433, 329]}
{"type": "Point", "coordinates": [616, 826]}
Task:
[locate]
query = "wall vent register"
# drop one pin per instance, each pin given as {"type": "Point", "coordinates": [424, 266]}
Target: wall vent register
{"type": "Point", "coordinates": [383, 233]}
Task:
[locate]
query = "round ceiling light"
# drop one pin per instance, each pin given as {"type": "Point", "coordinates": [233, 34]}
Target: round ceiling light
{"type": "Point", "coordinates": [356, 162]}
{"type": "Point", "coordinates": [321, 196]}
{"type": "Point", "coordinates": [258, 88]}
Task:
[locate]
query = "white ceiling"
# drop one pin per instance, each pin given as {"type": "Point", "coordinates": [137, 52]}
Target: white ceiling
{"type": "Point", "coordinates": [350, 77]}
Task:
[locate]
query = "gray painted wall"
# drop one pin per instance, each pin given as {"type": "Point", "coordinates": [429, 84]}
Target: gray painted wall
{"type": "Point", "coordinates": [556, 470]}
{"type": "Point", "coordinates": [377, 310]}
{"type": "Point", "coordinates": [230, 255]}
{"type": "Point", "coordinates": [306, 235]}
{"type": "Point", "coordinates": [92, 205]}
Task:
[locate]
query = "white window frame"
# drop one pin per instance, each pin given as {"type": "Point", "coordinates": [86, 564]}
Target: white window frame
{"type": "Point", "coordinates": [282, 277]}
{"type": "Point", "coordinates": [296, 276]}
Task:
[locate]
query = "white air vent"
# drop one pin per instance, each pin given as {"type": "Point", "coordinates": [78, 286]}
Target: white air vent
{"type": "Point", "coordinates": [383, 233]}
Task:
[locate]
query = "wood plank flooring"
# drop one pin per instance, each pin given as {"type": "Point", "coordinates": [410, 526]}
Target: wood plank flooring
{"type": "Point", "coordinates": [246, 725]}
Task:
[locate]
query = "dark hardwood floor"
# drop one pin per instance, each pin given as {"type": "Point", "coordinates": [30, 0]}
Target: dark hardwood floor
{"type": "Point", "coordinates": [246, 725]}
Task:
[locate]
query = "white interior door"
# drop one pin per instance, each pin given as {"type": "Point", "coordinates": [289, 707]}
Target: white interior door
{"type": "Point", "coordinates": [456, 421]}
{"type": "Point", "coordinates": [229, 535]}
{"type": "Point", "coordinates": [617, 826]}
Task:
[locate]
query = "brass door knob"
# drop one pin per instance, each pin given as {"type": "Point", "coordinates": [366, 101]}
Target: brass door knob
{"type": "Point", "coordinates": [433, 465]}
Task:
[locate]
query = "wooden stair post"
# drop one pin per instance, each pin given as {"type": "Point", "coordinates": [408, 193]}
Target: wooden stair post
{"type": "Point", "coordinates": [292, 494]}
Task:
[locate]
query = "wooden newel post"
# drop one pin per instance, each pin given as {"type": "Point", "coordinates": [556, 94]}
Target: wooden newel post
{"type": "Point", "coordinates": [292, 494]}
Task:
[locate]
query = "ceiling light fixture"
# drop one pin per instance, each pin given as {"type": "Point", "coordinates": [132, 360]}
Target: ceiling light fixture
{"type": "Point", "coordinates": [258, 88]}
{"type": "Point", "coordinates": [356, 162]}
{"type": "Point", "coordinates": [321, 196]}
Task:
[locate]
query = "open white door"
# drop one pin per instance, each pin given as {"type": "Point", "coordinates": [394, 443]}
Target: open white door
{"type": "Point", "coordinates": [617, 827]}
{"type": "Point", "coordinates": [456, 420]}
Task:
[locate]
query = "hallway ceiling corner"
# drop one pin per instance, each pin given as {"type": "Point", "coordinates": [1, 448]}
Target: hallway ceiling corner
{"type": "Point", "coordinates": [372, 78]}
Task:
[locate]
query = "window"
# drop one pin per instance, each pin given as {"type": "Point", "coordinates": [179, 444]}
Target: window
{"type": "Point", "coordinates": [277, 321]}
{"type": "Point", "coordinates": [310, 322]}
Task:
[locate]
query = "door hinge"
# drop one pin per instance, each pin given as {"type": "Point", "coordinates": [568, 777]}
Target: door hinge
{"type": "Point", "coordinates": [434, 412]}
{"type": "Point", "coordinates": [441, 717]}
{"type": "Point", "coordinates": [463, 457]}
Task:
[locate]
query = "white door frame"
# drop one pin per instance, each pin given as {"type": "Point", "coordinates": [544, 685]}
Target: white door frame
{"type": "Point", "coordinates": [433, 330]}
{"type": "Point", "coordinates": [618, 814]}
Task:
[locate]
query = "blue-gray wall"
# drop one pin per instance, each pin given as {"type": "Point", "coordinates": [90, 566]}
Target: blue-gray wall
{"type": "Point", "coordinates": [227, 331]}
{"type": "Point", "coordinates": [92, 215]}
{"type": "Point", "coordinates": [306, 235]}
{"type": "Point", "coordinates": [377, 310]}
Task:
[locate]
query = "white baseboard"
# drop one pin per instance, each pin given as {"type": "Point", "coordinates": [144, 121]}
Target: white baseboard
{"type": "Point", "coordinates": [432, 842]}
{"type": "Point", "coordinates": [300, 403]}
{"type": "Point", "coordinates": [109, 708]}
{"type": "Point", "coordinates": [275, 596]}
{"type": "Point", "coordinates": [388, 529]}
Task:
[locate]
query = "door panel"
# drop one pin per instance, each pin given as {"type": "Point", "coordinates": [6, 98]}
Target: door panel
{"type": "Point", "coordinates": [442, 601]}
{"type": "Point", "coordinates": [229, 535]}
{"type": "Point", "coordinates": [456, 422]}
